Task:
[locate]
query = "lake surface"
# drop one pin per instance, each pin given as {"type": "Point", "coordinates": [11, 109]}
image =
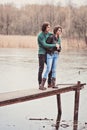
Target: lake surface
{"type": "Point", "coordinates": [18, 71]}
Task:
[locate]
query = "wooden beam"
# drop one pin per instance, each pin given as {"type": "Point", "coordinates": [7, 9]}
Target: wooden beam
{"type": "Point", "coordinates": [8, 98]}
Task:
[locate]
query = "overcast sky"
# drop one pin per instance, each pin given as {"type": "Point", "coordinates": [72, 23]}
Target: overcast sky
{"type": "Point", "coordinates": [62, 2]}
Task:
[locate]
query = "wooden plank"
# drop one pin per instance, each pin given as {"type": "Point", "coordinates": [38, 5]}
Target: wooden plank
{"type": "Point", "coordinates": [8, 98]}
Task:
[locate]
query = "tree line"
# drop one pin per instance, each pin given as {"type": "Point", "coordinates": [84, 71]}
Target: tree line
{"type": "Point", "coordinates": [27, 20]}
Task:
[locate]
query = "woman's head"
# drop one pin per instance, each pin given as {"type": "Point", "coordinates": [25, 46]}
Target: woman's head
{"type": "Point", "coordinates": [45, 27]}
{"type": "Point", "coordinates": [57, 30]}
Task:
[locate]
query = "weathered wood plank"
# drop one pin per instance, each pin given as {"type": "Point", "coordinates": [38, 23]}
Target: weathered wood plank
{"type": "Point", "coordinates": [8, 98]}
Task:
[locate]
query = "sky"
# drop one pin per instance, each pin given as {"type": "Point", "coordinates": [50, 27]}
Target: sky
{"type": "Point", "coordinates": [20, 3]}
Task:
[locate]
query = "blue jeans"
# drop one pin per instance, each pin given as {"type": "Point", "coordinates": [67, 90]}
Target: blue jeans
{"type": "Point", "coordinates": [51, 64]}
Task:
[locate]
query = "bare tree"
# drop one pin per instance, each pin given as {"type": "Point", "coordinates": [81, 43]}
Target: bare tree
{"type": "Point", "coordinates": [28, 20]}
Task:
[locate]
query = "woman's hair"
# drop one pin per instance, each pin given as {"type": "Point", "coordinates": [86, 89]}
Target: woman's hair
{"type": "Point", "coordinates": [56, 28]}
{"type": "Point", "coordinates": [44, 26]}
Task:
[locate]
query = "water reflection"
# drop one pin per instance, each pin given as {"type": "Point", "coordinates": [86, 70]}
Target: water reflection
{"type": "Point", "coordinates": [58, 121]}
{"type": "Point", "coordinates": [64, 125]}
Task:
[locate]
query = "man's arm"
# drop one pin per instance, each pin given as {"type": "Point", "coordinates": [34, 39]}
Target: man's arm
{"type": "Point", "coordinates": [42, 41]}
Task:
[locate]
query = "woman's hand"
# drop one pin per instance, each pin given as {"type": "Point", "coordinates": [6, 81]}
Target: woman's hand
{"type": "Point", "coordinates": [57, 45]}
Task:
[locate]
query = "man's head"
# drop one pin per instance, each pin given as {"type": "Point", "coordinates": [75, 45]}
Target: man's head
{"type": "Point", "coordinates": [45, 27]}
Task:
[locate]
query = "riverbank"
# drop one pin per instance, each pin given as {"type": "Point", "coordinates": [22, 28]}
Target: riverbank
{"type": "Point", "coordinates": [18, 41]}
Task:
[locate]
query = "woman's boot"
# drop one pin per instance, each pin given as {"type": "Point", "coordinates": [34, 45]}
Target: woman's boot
{"type": "Point", "coordinates": [41, 87]}
{"type": "Point", "coordinates": [49, 86]}
{"type": "Point", "coordinates": [53, 83]}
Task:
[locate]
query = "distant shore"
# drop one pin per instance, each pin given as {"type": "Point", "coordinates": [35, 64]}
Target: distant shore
{"type": "Point", "coordinates": [19, 41]}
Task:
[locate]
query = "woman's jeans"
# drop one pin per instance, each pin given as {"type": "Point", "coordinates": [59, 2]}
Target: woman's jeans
{"type": "Point", "coordinates": [51, 64]}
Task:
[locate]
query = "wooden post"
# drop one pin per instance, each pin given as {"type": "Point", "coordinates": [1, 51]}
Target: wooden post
{"type": "Point", "coordinates": [76, 106]}
{"type": "Point", "coordinates": [59, 111]}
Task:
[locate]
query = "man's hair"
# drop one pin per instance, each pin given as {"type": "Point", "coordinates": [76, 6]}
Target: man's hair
{"type": "Point", "coordinates": [44, 26]}
{"type": "Point", "coordinates": [56, 28]}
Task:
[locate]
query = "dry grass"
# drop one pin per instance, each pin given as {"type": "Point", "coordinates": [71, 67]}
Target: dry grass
{"type": "Point", "coordinates": [17, 41]}
{"type": "Point", "coordinates": [73, 44]}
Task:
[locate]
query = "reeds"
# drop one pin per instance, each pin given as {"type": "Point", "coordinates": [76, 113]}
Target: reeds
{"type": "Point", "coordinates": [19, 41]}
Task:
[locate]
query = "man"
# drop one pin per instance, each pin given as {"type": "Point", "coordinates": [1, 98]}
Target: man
{"type": "Point", "coordinates": [43, 35]}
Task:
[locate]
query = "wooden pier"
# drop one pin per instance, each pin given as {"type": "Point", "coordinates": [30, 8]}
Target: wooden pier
{"type": "Point", "coordinates": [18, 96]}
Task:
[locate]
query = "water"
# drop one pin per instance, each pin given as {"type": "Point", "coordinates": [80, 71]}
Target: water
{"type": "Point", "coordinates": [18, 70]}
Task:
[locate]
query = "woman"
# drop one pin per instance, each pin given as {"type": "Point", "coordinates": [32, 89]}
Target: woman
{"type": "Point", "coordinates": [52, 56]}
{"type": "Point", "coordinates": [42, 46]}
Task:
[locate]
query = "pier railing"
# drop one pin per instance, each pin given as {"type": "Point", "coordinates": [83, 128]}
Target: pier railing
{"type": "Point", "coordinates": [18, 96]}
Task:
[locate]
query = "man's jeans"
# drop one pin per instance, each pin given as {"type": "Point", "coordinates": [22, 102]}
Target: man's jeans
{"type": "Point", "coordinates": [51, 64]}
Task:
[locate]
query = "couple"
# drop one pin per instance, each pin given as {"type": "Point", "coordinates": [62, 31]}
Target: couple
{"type": "Point", "coordinates": [49, 47]}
